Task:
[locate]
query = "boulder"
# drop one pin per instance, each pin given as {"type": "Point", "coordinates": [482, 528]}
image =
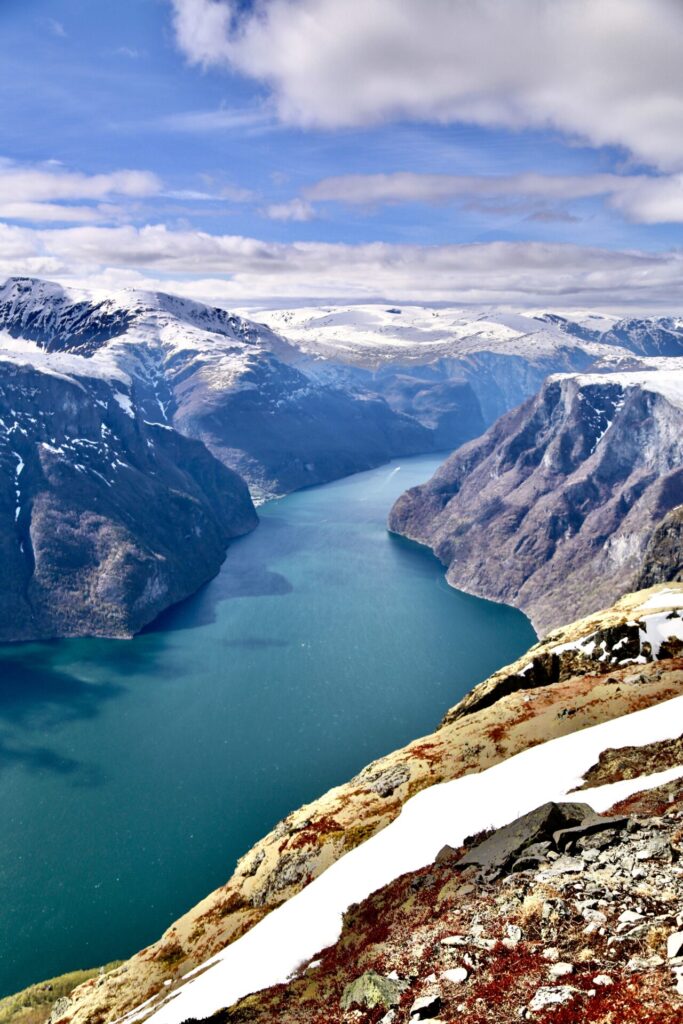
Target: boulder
{"type": "Point", "coordinates": [496, 854]}
{"type": "Point", "coordinates": [371, 990]}
{"type": "Point", "coordinates": [593, 824]}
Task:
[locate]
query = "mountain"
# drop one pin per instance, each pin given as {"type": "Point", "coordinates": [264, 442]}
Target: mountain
{"type": "Point", "coordinates": [105, 518]}
{"type": "Point", "coordinates": [589, 686]}
{"type": "Point", "coordinates": [553, 508]}
{"type": "Point", "coordinates": [432, 362]}
{"type": "Point", "coordinates": [341, 390]}
{"type": "Point", "coordinates": [232, 384]}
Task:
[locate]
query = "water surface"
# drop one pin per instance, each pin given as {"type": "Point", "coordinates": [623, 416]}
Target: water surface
{"type": "Point", "coordinates": [133, 774]}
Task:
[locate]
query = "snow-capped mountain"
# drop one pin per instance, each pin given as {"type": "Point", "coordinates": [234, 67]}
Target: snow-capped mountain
{"type": "Point", "coordinates": [310, 396]}
{"type": "Point", "coordinates": [554, 507]}
{"type": "Point", "coordinates": [503, 357]}
{"type": "Point", "coordinates": [82, 479]}
{"type": "Point", "coordinates": [233, 384]}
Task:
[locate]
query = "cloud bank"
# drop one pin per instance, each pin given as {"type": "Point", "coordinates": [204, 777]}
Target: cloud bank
{"type": "Point", "coordinates": [233, 270]}
{"type": "Point", "coordinates": [641, 198]}
{"type": "Point", "coordinates": [607, 72]}
{"type": "Point", "coordinates": [49, 192]}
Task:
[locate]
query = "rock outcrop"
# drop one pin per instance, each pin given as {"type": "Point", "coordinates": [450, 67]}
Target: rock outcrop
{"type": "Point", "coordinates": [552, 510]}
{"type": "Point", "coordinates": [502, 717]}
{"type": "Point", "coordinates": [581, 934]}
{"type": "Point", "coordinates": [663, 559]}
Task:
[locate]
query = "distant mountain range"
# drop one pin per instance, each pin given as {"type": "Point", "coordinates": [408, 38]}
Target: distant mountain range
{"type": "Point", "coordinates": [118, 405]}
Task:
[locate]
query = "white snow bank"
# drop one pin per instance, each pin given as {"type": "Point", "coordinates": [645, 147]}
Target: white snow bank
{"type": "Point", "coordinates": [668, 598]}
{"type": "Point", "coordinates": [445, 813]}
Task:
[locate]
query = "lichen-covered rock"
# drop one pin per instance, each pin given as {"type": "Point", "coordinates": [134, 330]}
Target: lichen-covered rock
{"type": "Point", "coordinates": [371, 990]}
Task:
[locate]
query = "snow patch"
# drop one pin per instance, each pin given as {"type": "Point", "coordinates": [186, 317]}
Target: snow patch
{"type": "Point", "coordinates": [442, 814]}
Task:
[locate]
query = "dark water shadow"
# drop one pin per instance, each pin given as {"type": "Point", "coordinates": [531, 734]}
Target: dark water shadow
{"type": "Point", "coordinates": [256, 643]}
{"type": "Point", "coordinates": [38, 695]}
{"type": "Point", "coordinates": [40, 760]}
{"type": "Point", "coordinates": [200, 609]}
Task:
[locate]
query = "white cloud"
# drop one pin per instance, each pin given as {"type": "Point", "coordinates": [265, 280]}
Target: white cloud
{"type": "Point", "coordinates": [49, 193]}
{"type": "Point", "coordinates": [232, 270]}
{"type": "Point", "coordinates": [40, 184]}
{"type": "Point", "coordinates": [608, 72]}
{"type": "Point", "coordinates": [435, 188]}
{"type": "Point", "coordinates": [640, 198]}
{"type": "Point", "coordinates": [43, 212]}
{"type": "Point", "coordinates": [294, 209]}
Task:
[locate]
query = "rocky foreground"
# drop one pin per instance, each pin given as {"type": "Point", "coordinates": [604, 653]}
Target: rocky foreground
{"type": "Point", "coordinates": [562, 916]}
{"type": "Point", "coordinates": [626, 658]}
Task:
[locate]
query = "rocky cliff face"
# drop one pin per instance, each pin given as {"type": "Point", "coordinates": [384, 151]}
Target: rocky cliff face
{"type": "Point", "coordinates": [592, 671]}
{"type": "Point", "coordinates": [553, 508]}
{"type": "Point", "coordinates": [663, 558]}
{"type": "Point", "coordinates": [105, 519]}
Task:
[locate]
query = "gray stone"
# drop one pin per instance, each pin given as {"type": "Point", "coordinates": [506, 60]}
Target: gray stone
{"type": "Point", "coordinates": [561, 969]}
{"type": "Point", "coordinates": [371, 990]}
{"type": "Point", "coordinates": [549, 995]}
{"type": "Point", "coordinates": [589, 827]}
{"type": "Point", "coordinates": [497, 853]}
{"type": "Point", "coordinates": [456, 976]}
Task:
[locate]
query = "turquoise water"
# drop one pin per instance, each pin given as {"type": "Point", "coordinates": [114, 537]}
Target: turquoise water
{"type": "Point", "coordinates": [133, 774]}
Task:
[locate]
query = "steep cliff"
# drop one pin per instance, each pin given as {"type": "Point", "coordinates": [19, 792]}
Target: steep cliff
{"type": "Point", "coordinates": [663, 559]}
{"type": "Point", "coordinates": [592, 682]}
{"type": "Point", "coordinates": [553, 508]}
{"type": "Point", "coordinates": [105, 519]}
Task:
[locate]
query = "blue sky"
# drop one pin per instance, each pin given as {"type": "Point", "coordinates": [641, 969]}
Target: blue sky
{"type": "Point", "coordinates": [235, 145]}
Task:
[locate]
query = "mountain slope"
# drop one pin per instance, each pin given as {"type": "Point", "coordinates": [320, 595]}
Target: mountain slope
{"type": "Point", "coordinates": [412, 354]}
{"type": "Point", "coordinates": [583, 683]}
{"type": "Point", "coordinates": [233, 384]}
{"type": "Point", "coordinates": [553, 508]}
{"type": "Point", "coordinates": [105, 519]}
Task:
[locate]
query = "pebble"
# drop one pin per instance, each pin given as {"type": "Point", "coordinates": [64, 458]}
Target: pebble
{"type": "Point", "coordinates": [456, 976]}
{"type": "Point", "coordinates": [551, 996]}
{"type": "Point", "coordinates": [561, 969]}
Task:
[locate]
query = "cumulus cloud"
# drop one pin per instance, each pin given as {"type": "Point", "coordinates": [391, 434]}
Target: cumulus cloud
{"type": "Point", "coordinates": [48, 192]}
{"type": "Point", "coordinates": [230, 269]}
{"type": "Point", "coordinates": [608, 72]}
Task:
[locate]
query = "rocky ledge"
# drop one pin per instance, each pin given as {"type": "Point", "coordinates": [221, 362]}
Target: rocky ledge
{"type": "Point", "coordinates": [562, 916]}
{"type": "Point", "coordinates": [509, 713]}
